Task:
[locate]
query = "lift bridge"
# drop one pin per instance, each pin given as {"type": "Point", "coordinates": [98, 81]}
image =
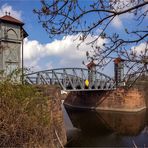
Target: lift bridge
{"type": "Point", "coordinates": [72, 79]}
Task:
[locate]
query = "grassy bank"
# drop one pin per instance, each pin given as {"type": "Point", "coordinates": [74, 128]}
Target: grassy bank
{"type": "Point", "coordinates": [24, 116]}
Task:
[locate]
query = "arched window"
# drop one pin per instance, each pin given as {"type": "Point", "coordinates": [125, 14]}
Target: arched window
{"type": "Point", "coordinates": [11, 34]}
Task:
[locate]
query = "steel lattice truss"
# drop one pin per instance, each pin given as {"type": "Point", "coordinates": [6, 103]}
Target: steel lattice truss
{"type": "Point", "coordinates": [72, 79]}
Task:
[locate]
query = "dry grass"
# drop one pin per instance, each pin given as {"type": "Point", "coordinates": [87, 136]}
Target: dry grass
{"type": "Point", "coordinates": [24, 117]}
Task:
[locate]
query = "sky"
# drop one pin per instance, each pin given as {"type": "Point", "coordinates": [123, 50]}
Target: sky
{"type": "Point", "coordinates": [41, 52]}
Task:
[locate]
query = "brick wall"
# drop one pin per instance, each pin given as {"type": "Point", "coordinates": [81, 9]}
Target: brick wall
{"type": "Point", "coordinates": [120, 99]}
{"type": "Point", "coordinates": [123, 100]}
{"type": "Point", "coordinates": [124, 123]}
{"type": "Point", "coordinates": [58, 132]}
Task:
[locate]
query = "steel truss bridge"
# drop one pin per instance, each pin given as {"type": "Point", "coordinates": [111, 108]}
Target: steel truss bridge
{"type": "Point", "coordinates": [72, 79]}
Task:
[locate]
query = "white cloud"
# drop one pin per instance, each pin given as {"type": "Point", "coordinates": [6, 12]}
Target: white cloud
{"type": "Point", "coordinates": [141, 48]}
{"type": "Point", "coordinates": [117, 22]}
{"type": "Point", "coordinates": [121, 5]}
{"type": "Point", "coordinates": [49, 65]}
{"type": "Point", "coordinates": [7, 8]}
{"type": "Point", "coordinates": [32, 49]}
{"type": "Point", "coordinates": [64, 51]}
{"type": "Point", "coordinates": [32, 65]}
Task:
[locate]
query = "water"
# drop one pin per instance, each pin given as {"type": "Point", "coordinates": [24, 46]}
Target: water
{"type": "Point", "coordinates": [105, 128]}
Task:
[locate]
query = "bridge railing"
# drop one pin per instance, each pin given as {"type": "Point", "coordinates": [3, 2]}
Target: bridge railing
{"type": "Point", "coordinates": [72, 79]}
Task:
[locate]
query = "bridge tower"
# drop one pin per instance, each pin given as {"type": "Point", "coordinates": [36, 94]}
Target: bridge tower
{"type": "Point", "coordinates": [119, 71]}
{"type": "Point", "coordinates": [12, 34]}
{"type": "Point", "coordinates": [91, 72]}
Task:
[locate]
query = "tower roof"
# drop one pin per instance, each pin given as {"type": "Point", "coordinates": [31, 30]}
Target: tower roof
{"type": "Point", "coordinates": [91, 64]}
{"type": "Point", "coordinates": [10, 19]}
{"type": "Point", "coordinates": [118, 60]}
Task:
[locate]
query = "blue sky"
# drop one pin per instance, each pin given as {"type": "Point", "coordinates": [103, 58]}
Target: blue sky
{"type": "Point", "coordinates": [43, 53]}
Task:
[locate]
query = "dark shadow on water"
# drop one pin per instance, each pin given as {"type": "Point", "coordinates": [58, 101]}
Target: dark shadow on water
{"type": "Point", "coordinates": [108, 129]}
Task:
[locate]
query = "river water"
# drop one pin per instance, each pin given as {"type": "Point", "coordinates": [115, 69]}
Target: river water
{"type": "Point", "coordinates": [87, 128]}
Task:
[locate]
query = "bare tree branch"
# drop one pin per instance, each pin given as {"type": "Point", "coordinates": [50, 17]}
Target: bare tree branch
{"type": "Point", "coordinates": [68, 17]}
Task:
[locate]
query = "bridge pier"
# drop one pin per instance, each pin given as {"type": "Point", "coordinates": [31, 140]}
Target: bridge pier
{"type": "Point", "coordinates": [57, 128]}
{"type": "Point", "coordinates": [131, 100]}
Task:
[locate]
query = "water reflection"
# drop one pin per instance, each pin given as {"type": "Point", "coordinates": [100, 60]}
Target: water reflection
{"type": "Point", "coordinates": [108, 128]}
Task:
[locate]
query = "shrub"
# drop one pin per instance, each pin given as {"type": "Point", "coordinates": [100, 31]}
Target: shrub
{"type": "Point", "coordinates": [24, 116]}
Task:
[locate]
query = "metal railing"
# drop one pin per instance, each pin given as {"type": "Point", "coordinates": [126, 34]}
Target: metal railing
{"type": "Point", "coordinates": [72, 79]}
